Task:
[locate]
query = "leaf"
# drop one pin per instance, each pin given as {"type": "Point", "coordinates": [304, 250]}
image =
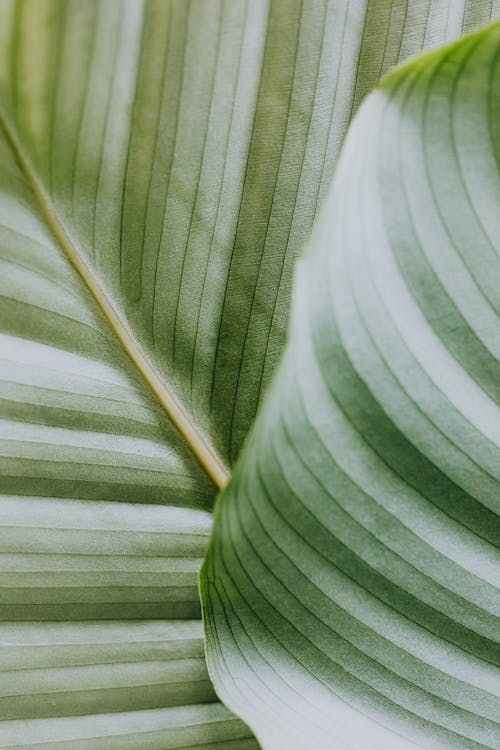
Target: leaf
{"type": "Point", "coordinates": [93, 560]}
{"type": "Point", "coordinates": [161, 166]}
{"type": "Point", "coordinates": [351, 590]}
{"type": "Point", "coordinates": [119, 685]}
{"type": "Point", "coordinates": [95, 668]}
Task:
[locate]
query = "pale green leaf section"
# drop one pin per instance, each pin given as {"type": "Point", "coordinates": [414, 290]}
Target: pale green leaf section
{"type": "Point", "coordinates": [161, 164]}
{"type": "Point", "coordinates": [352, 587]}
{"type": "Point", "coordinates": [82, 664]}
{"type": "Point", "coordinates": [91, 560]}
{"type": "Point", "coordinates": [198, 727]}
{"type": "Point", "coordinates": [77, 421]}
{"type": "Point", "coordinates": [49, 668]}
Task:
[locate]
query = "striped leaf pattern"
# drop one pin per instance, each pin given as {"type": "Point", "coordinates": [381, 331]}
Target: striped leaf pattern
{"type": "Point", "coordinates": [352, 587]}
{"type": "Point", "coordinates": [161, 165]}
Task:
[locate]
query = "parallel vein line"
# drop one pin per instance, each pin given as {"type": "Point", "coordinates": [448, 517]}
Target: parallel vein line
{"type": "Point", "coordinates": [175, 410]}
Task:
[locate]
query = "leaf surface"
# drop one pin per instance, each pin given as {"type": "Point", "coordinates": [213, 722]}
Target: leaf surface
{"type": "Point", "coordinates": [161, 164]}
{"type": "Point", "coordinates": [351, 589]}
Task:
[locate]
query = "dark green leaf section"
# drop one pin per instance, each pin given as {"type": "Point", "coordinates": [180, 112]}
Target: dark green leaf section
{"type": "Point", "coordinates": [351, 590]}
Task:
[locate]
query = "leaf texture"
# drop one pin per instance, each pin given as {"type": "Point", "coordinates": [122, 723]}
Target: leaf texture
{"type": "Point", "coordinates": [97, 668]}
{"type": "Point", "coordinates": [184, 147]}
{"type": "Point", "coordinates": [352, 585]}
{"type": "Point", "coordinates": [202, 727]}
{"type": "Point", "coordinates": [176, 152]}
{"type": "Point", "coordinates": [94, 560]}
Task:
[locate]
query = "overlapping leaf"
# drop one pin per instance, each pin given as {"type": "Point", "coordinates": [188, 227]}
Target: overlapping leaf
{"type": "Point", "coordinates": [175, 152]}
{"type": "Point", "coordinates": [352, 588]}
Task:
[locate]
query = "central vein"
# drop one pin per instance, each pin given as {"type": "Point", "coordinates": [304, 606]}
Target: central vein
{"type": "Point", "coordinates": [174, 409]}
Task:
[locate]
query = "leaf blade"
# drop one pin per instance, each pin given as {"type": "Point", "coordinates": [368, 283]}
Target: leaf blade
{"type": "Point", "coordinates": [124, 109]}
{"type": "Point", "coordinates": [166, 397]}
{"type": "Point", "coordinates": [353, 562]}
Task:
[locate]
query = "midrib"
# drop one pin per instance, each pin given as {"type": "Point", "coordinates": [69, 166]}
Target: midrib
{"type": "Point", "coordinates": [170, 403]}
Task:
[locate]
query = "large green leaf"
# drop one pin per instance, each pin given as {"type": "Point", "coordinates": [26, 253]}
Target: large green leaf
{"type": "Point", "coordinates": [161, 164]}
{"type": "Point", "coordinates": [352, 585]}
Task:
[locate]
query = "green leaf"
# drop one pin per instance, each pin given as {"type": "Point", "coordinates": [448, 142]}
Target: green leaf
{"type": "Point", "coordinates": [120, 685]}
{"type": "Point", "coordinates": [352, 585]}
{"type": "Point", "coordinates": [89, 560]}
{"type": "Point", "coordinates": [99, 668]}
{"type": "Point", "coordinates": [161, 164]}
